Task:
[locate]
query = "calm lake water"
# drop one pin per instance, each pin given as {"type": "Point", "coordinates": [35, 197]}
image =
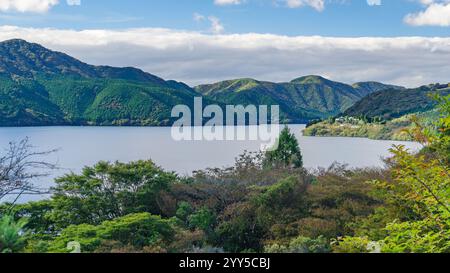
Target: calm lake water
{"type": "Point", "coordinates": [84, 146]}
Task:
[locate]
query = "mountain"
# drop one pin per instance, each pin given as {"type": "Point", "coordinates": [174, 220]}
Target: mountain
{"type": "Point", "coordinates": [18, 58]}
{"type": "Point", "coordinates": [391, 103]}
{"type": "Point", "coordinates": [371, 87]}
{"type": "Point", "coordinates": [43, 87]}
{"type": "Point", "coordinates": [302, 99]}
{"type": "Point", "coordinates": [385, 114]}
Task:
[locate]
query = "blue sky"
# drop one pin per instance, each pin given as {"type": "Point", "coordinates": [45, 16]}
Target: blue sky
{"type": "Point", "coordinates": [404, 42]}
{"type": "Point", "coordinates": [349, 18]}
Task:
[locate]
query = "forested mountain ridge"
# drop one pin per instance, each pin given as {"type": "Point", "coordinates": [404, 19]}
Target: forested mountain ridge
{"type": "Point", "coordinates": [310, 96]}
{"type": "Point", "coordinates": [41, 87]}
{"type": "Point", "coordinates": [389, 104]}
{"type": "Point", "coordinates": [371, 87]}
{"type": "Point", "coordinates": [19, 58]}
{"type": "Point", "coordinates": [385, 114]}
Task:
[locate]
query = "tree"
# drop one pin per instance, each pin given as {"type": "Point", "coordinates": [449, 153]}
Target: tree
{"type": "Point", "coordinates": [246, 225]}
{"type": "Point", "coordinates": [301, 245]}
{"type": "Point", "coordinates": [286, 154]}
{"type": "Point", "coordinates": [240, 229]}
{"type": "Point", "coordinates": [418, 195]}
{"type": "Point", "coordinates": [136, 231]}
{"type": "Point", "coordinates": [11, 234]}
{"type": "Point", "coordinates": [19, 167]}
{"type": "Point", "coordinates": [281, 202]}
{"type": "Point", "coordinates": [37, 214]}
{"type": "Point", "coordinates": [184, 211]}
{"type": "Point", "coordinates": [440, 142]}
{"type": "Point", "coordinates": [203, 219]}
{"type": "Point", "coordinates": [250, 168]}
{"type": "Point", "coordinates": [422, 185]}
{"type": "Point", "coordinates": [353, 245]}
{"type": "Point", "coordinates": [107, 191]}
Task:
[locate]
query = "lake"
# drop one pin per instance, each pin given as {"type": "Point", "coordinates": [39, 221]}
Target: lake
{"type": "Point", "coordinates": [84, 146]}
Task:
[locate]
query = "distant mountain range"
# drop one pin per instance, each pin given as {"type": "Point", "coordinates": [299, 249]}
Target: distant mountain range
{"type": "Point", "coordinates": [42, 87]}
{"type": "Point", "coordinates": [389, 104]}
{"type": "Point", "coordinates": [302, 99]}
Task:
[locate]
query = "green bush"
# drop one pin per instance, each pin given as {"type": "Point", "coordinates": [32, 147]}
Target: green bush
{"type": "Point", "coordinates": [352, 245]}
{"type": "Point", "coordinates": [136, 230]}
{"type": "Point", "coordinates": [12, 233]}
{"type": "Point", "coordinates": [301, 245]}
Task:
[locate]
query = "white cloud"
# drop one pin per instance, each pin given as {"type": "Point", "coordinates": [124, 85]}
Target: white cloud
{"type": "Point", "coordinates": [374, 2]}
{"type": "Point", "coordinates": [74, 2]}
{"type": "Point", "coordinates": [199, 17]}
{"type": "Point", "coordinates": [196, 58]}
{"type": "Point", "coordinates": [36, 6]}
{"type": "Point", "coordinates": [437, 13]}
{"type": "Point", "coordinates": [319, 5]}
{"type": "Point", "coordinates": [216, 25]}
{"type": "Point", "coordinates": [227, 2]}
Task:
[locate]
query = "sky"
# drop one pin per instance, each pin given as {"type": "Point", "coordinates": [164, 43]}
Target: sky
{"type": "Point", "coordinates": [404, 42]}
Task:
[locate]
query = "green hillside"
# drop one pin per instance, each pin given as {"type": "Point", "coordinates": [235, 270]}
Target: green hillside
{"type": "Point", "coordinates": [302, 99]}
{"type": "Point", "coordinates": [61, 100]}
{"type": "Point", "coordinates": [116, 101]}
{"type": "Point", "coordinates": [389, 104]}
{"type": "Point", "coordinates": [371, 87]}
{"type": "Point", "coordinates": [43, 87]}
{"type": "Point", "coordinates": [26, 102]}
{"type": "Point", "coordinates": [20, 58]}
{"type": "Point", "coordinates": [384, 114]}
{"type": "Point", "coordinates": [395, 129]}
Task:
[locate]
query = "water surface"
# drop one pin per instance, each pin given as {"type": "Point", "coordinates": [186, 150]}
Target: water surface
{"type": "Point", "coordinates": [84, 146]}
